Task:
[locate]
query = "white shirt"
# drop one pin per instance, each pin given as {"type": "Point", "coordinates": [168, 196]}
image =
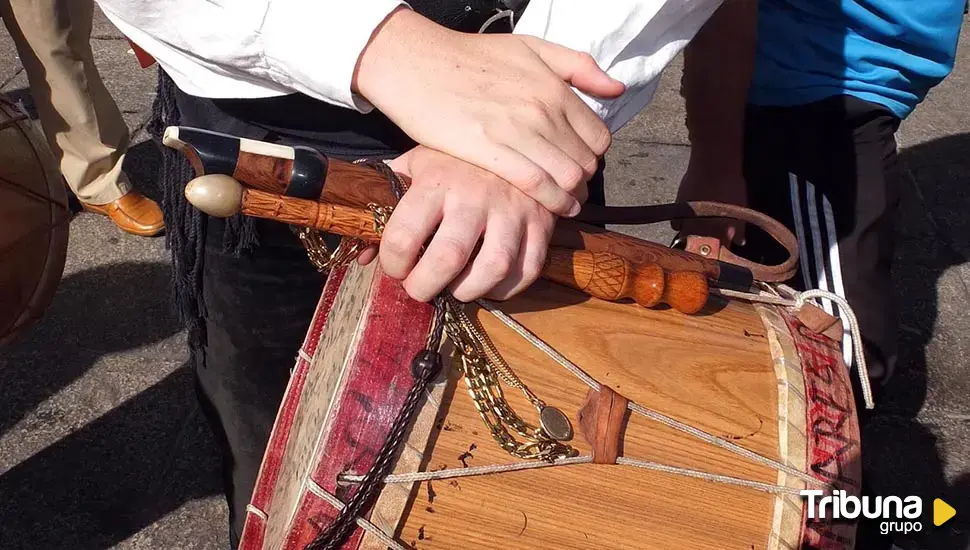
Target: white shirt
{"type": "Point", "coordinates": [632, 40]}
{"type": "Point", "coordinates": [264, 48]}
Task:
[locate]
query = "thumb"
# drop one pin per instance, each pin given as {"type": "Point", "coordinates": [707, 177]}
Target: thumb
{"type": "Point", "coordinates": [577, 68]}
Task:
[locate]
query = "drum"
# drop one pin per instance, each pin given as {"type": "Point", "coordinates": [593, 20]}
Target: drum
{"type": "Point", "coordinates": [669, 431]}
{"type": "Point", "coordinates": [34, 218]}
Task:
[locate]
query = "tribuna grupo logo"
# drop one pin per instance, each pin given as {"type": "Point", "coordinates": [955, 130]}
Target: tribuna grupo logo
{"type": "Point", "coordinates": [898, 513]}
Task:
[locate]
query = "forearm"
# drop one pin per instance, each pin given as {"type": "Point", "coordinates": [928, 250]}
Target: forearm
{"type": "Point", "coordinates": [718, 66]}
{"type": "Point", "coordinates": [392, 43]}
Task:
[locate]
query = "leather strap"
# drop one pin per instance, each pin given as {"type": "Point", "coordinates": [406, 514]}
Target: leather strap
{"type": "Point", "coordinates": [642, 215]}
{"type": "Point", "coordinates": [817, 320]}
{"type": "Point", "coordinates": [601, 421]}
{"type": "Point", "coordinates": [709, 247]}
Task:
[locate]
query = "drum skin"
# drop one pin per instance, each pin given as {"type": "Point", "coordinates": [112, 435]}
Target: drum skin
{"type": "Point", "coordinates": [746, 374]}
{"type": "Point", "coordinates": [34, 222]}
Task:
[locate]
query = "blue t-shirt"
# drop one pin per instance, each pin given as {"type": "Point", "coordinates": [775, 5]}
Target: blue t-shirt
{"type": "Point", "coordinates": [889, 52]}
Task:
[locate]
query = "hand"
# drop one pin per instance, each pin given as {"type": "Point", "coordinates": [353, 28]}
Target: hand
{"type": "Point", "coordinates": [709, 182]}
{"type": "Point", "coordinates": [498, 101]}
{"type": "Point", "coordinates": [462, 205]}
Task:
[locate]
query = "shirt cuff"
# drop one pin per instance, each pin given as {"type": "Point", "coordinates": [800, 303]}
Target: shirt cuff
{"type": "Point", "coordinates": [312, 46]}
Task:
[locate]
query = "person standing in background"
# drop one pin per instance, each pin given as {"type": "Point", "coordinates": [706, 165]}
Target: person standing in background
{"type": "Point", "coordinates": [831, 83]}
{"type": "Point", "coordinates": [82, 122]}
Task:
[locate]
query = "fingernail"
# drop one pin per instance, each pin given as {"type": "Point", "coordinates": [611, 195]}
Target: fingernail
{"type": "Point", "coordinates": [574, 209]}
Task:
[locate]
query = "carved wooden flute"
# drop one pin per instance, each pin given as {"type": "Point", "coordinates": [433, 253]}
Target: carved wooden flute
{"type": "Point", "coordinates": [304, 173]}
{"type": "Point", "coordinates": [603, 275]}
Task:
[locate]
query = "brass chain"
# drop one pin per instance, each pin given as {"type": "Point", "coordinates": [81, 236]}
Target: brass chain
{"type": "Point", "coordinates": [491, 354]}
{"type": "Point", "coordinates": [349, 248]}
{"type": "Point", "coordinates": [482, 379]}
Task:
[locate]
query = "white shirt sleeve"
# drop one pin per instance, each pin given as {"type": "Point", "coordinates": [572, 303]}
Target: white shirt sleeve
{"type": "Point", "coordinates": [633, 41]}
{"type": "Point", "coordinates": [313, 46]}
{"type": "Point", "coordinates": [255, 48]}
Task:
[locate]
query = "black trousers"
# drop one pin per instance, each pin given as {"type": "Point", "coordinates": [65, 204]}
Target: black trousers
{"type": "Point", "coordinates": [828, 170]}
{"type": "Point", "coordinates": [259, 303]}
{"type": "Point", "coordinates": [259, 307]}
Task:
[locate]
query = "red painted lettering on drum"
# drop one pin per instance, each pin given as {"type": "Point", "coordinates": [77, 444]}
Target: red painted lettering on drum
{"type": "Point", "coordinates": [834, 449]}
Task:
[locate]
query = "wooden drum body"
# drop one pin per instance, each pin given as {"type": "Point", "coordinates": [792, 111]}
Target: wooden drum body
{"type": "Point", "coordinates": [743, 376]}
{"type": "Point", "coordinates": [34, 218]}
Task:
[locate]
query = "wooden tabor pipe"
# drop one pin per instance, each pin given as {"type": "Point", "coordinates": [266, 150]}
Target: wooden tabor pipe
{"type": "Point", "coordinates": [611, 277]}
{"type": "Point", "coordinates": [603, 275]}
{"type": "Point", "coordinates": [222, 196]}
{"type": "Point", "coordinates": [306, 174]}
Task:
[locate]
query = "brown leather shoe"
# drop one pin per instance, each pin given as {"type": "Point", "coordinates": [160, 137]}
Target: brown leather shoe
{"type": "Point", "coordinates": [133, 212]}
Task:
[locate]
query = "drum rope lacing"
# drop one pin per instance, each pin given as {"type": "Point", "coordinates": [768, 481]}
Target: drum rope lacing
{"type": "Point", "coordinates": [799, 300]}
{"type": "Point", "coordinates": [374, 479]}
{"type": "Point", "coordinates": [574, 369]}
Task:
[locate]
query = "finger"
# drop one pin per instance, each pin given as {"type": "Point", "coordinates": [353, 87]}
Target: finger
{"type": "Point", "coordinates": [588, 126]}
{"type": "Point", "coordinates": [577, 68]}
{"type": "Point", "coordinates": [493, 262]}
{"type": "Point", "coordinates": [566, 170]}
{"type": "Point", "coordinates": [568, 140]}
{"type": "Point", "coordinates": [528, 267]}
{"type": "Point", "coordinates": [526, 173]}
{"type": "Point", "coordinates": [446, 256]}
{"type": "Point", "coordinates": [409, 227]}
{"type": "Point", "coordinates": [367, 255]}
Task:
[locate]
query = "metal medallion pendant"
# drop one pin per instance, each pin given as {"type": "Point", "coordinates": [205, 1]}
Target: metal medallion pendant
{"type": "Point", "coordinates": [555, 423]}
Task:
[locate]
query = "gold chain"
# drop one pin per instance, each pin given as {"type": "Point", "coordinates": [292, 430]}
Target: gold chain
{"type": "Point", "coordinates": [481, 376]}
{"type": "Point", "coordinates": [381, 215]}
{"type": "Point", "coordinates": [320, 254]}
{"type": "Point", "coordinates": [491, 354]}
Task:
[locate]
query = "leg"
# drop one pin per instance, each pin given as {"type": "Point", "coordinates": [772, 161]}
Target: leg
{"type": "Point", "coordinates": [81, 120]}
{"type": "Point", "coordinates": [83, 124]}
{"type": "Point", "coordinates": [828, 170]}
{"type": "Point", "coordinates": [258, 309]}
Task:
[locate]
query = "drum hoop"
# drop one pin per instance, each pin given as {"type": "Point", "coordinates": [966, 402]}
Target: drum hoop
{"type": "Point", "coordinates": [813, 386]}
{"type": "Point", "coordinates": [58, 223]}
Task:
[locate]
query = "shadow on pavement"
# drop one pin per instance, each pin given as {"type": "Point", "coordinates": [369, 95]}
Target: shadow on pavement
{"type": "Point", "coordinates": [96, 312]}
{"type": "Point", "coordinates": [902, 455]}
{"type": "Point", "coordinates": [108, 480]}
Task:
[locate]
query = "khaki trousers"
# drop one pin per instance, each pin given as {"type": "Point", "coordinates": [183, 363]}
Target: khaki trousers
{"type": "Point", "coordinates": [83, 125]}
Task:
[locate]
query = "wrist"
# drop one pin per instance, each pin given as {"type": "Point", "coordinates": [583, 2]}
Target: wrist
{"type": "Point", "coordinates": [391, 40]}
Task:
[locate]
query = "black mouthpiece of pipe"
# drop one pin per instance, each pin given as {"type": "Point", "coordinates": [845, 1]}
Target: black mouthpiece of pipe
{"type": "Point", "coordinates": [217, 153]}
{"type": "Point", "coordinates": [309, 174]}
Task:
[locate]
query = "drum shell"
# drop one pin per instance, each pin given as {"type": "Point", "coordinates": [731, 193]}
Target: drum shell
{"type": "Point", "coordinates": [34, 224]}
{"type": "Point", "coordinates": [746, 374]}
